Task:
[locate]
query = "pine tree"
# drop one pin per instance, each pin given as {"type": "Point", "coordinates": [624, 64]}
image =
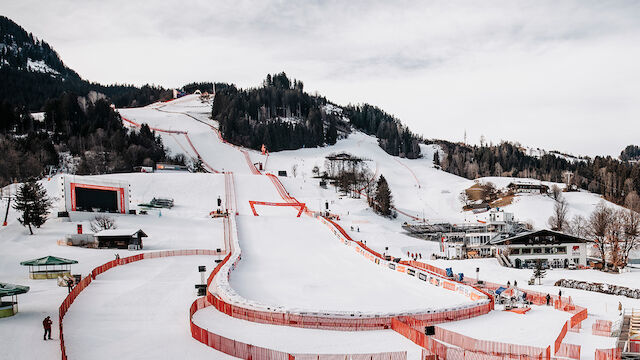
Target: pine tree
{"type": "Point", "coordinates": [383, 198]}
{"type": "Point", "coordinates": [34, 204]}
{"type": "Point", "coordinates": [197, 166]}
{"type": "Point", "coordinates": [332, 132]}
{"type": "Point", "coordinates": [539, 273]}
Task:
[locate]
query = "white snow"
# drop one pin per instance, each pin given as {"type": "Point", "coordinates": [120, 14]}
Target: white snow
{"type": "Point", "coordinates": [300, 340]}
{"type": "Point", "coordinates": [288, 262]}
{"type": "Point", "coordinates": [305, 268]}
{"type": "Point", "coordinates": [40, 66]}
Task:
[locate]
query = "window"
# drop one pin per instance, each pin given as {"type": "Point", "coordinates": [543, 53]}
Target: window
{"type": "Point", "coordinates": [514, 251]}
{"type": "Point", "coordinates": [547, 250]}
{"type": "Point", "coordinates": [526, 251]}
{"type": "Point", "coordinates": [537, 250]}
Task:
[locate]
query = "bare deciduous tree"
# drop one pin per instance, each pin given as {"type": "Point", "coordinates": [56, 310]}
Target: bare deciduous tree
{"type": "Point", "coordinates": [598, 228]}
{"type": "Point", "coordinates": [464, 198]}
{"type": "Point", "coordinates": [103, 222]}
{"type": "Point", "coordinates": [630, 221]}
{"type": "Point", "coordinates": [579, 226]}
{"type": "Point", "coordinates": [556, 192]}
{"type": "Point", "coordinates": [558, 221]}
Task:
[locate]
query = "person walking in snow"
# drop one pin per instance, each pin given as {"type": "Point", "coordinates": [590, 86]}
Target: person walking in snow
{"type": "Point", "coordinates": [69, 285]}
{"type": "Point", "coordinates": [560, 295]}
{"type": "Point", "coordinates": [515, 283]}
{"type": "Point", "coordinates": [508, 284]}
{"type": "Point", "coordinates": [620, 307]}
{"type": "Point", "coordinates": [548, 299]}
{"type": "Point", "coordinates": [46, 323]}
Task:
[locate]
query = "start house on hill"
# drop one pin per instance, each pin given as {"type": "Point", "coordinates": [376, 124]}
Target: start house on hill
{"type": "Point", "coordinates": [120, 238]}
{"type": "Point", "coordinates": [556, 249]}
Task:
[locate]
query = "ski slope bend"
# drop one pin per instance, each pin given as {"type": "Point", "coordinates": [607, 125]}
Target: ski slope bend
{"type": "Point", "coordinates": [186, 129]}
{"type": "Point", "coordinates": [280, 307]}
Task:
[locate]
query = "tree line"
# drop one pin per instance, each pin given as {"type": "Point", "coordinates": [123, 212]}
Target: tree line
{"type": "Point", "coordinates": [31, 88]}
{"type": "Point", "coordinates": [84, 127]}
{"type": "Point", "coordinates": [610, 177]}
{"type": "Point", "coordinates": [281, 115]}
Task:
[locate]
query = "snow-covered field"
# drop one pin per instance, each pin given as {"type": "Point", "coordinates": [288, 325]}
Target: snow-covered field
{"type": "Point", "coordinates": [299, 340]}
{"type": "Point", "coordinates": [290, 262]}
{"type": "Point", "coordinates": [138, 311]}
{"type": "Point", "coordinates": [297, 263]}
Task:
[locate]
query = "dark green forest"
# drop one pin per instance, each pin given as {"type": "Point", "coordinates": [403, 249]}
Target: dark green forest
{"type": "Point", "coordinates": [24, 86]}
{"type": "Point", "coordinates": [281, 115]}
{"type": "Point", "coordinates": [610, 177]}
{"type": "Point", "coordinates": [93, 132]}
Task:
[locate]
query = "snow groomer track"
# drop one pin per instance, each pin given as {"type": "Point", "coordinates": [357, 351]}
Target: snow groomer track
{"type": "Point", "coordinates": [223, 300]}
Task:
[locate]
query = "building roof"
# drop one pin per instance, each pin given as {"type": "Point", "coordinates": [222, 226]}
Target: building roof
{"type": "Point", "coordinates": [48, 260]}
{"type": "Point", "coordinates": [524, 238]}
{"type": "Point", "coordinates": [11, 289]}
{"type": "Point", "coordinates": [527, 185]}
{"type": "Point", "coordinates": [120, 233]}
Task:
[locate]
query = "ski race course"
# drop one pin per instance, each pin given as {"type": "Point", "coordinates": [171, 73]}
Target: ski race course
{"type": "Point", "coordinates": [288, 283]}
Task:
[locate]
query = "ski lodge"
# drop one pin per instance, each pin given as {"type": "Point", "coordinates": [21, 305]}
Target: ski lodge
{"type": "Point", "coordinates": [519, 188]}
{"type": "Point", "coordinates": [120, 238]}
{"type": "Point", "coordinates": [555, 249]}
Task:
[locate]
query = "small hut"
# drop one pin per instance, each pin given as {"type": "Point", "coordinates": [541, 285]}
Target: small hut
{"type": "Point", "coordinates": [49, 267]}
{"type": "Point", "coordinates": [10, 307]}
{"type": "Point", "coordinates": [120, 238]}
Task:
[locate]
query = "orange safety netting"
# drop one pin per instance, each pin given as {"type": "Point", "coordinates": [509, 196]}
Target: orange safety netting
{"type": "Point", "coordinates": [608, 354]}
{"type": "Point", "coordinates": [601, 328]}
{"type": "Point", "coordinates": [450, 345]}
{"type": "Point", "coordinates": [560, 337]}
{"type": "Point", "coordinates": [570, 351]}
{"type": "Point", "coordinates": [247, 351]}
{"type": "Point", "coordinates": [64, 307]}
{"type": "Point", "coordinates": [302, 207]}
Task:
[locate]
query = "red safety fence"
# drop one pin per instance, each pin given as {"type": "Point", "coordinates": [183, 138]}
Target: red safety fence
{"type": "Point", "coordinates": [176, 132]}
{"type": "Point", "coordinates": [608, 354]}
{"type": "Point", "coordinates": [560, 337]}
{"type": "Point", "coordinates": [634, 346]}
{"type": "Point", "coordinates": [301, 206]}
{"type": "Point", "coordinates": [570, 351]}
{"type": "Point", "coordinates": [602, 328]}
{"type": "Point", "coordinates": [247, 158]}
{"type": "Point", "coordinates": [486, 346]}
{"type": "Point", "coordinates": [78, 288]}
{"type": "Point", "coordinates": [440, 345]}
{"type": "Point", "coordinates": [247, 351]}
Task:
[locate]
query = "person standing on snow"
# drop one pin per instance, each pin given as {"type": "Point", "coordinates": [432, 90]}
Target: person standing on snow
{"type": "Point", "coordinates": [46, 323]}
{"type": "Point", "coordinates": [69, 285]}
{"type": "Point", "coordinates": [548, 299]}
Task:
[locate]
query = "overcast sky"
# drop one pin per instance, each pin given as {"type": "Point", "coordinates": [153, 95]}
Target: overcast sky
{"type": "Point", "coordinates": [560, 75]}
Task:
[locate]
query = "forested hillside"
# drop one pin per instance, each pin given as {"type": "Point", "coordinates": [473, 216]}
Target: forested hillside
{"type": "Point", "coordinates": [612, 178]}
{"type": "Point", "coordinates": [31, 72]}
{"type": "Point", "coordinates": [282, 116]}
{"type": "Point", "coordinates": [84, 127]}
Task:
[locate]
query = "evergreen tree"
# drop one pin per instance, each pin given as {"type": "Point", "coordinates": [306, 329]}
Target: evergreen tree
{"type": "Point", "coordinates": [33, 203]}
{"type": "Point", "coordinates": [197, 166]}
{"type": "Point", "coordinates": [383, 199]}
{"type": "Point", "coordinates": [539, 272]}
{"type": "Point", "coordinates": [332, 132]}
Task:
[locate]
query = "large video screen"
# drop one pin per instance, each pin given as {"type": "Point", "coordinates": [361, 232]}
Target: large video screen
{"type": "Point", "coordinates": [103, 200]}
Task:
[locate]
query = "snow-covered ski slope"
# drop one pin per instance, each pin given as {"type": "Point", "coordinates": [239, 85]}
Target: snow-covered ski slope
{"type": "Point", "coordinates": [287, 261]}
